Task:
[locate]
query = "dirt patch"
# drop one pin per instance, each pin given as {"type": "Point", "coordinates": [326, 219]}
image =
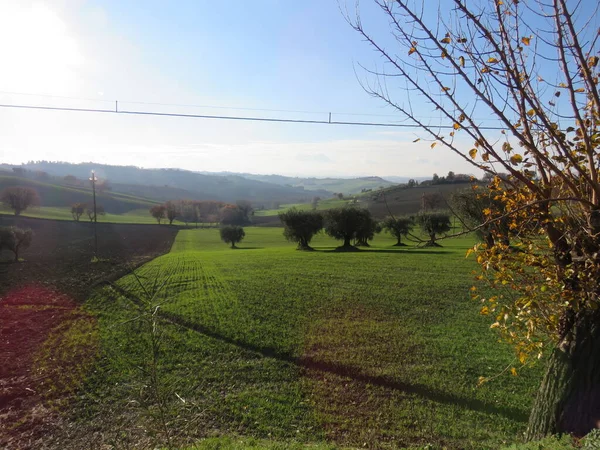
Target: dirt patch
{"type": "Point", "coordinates": [28, 316]}
{"type": "Point", "coordinates": [46, 340]}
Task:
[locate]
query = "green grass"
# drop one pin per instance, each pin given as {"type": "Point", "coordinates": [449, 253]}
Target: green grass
{"type": "Point", "coordinates": [64, 213]}
{"type": "Point", "coordinates": [381, 348]}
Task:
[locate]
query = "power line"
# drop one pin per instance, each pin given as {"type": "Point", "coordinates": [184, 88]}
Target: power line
{"type": "Point", "coordinates": [184, 105]}
{"type": "Point", "coordinates": [246, 118]}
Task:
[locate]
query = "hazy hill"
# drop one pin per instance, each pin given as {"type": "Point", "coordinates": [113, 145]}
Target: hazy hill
{"type": "Point", "coordinates": [333, 185]}
{"type": "Point", "coordinates": [57, 195]}
{"type": "Point", "coordinates": [179, 183]}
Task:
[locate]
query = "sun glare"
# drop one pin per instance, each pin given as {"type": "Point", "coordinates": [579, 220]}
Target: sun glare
{"type": "Point", "coordinates": [39, 52]}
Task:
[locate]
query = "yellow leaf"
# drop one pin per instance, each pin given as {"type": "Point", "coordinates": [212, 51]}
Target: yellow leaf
{"type": "Point", "coordinates": [526, 40]}
{"type": "Point", "coordinates": [485, 70]}
{"type": "Point", "coordinates": [485, 157]}
{"type": "Point", "coordinates": [506, 147]}
{"type": "Point", "coordinates": [412, 50]}
{"type": "Point", "coordinates": [516, 159]}
{"type": "Point", "coordinates": [433, 145]}
{"type": "Point", "coordinates": [461, 118]}
{"type": "Point", "coordinates": [513, 371]}
{"type": "Point", "coordinates": [580, 90]}
{"type": "Point", "coordinates": [446, 40]}
{"type": "Point", "coordinates": [456, 126]}
{"type": "Point", "coordinates": [473, 153]}
{"type": "Point", "coordinates": [492, 60]}
{"type": "Point", "coordinates": [522, 357]}
{"type": "Point", "coordinates": [531, 113]}
{"type": "Point", "coordinates": [495, 325]}
{"type": "Point", "coordinates": [484, 311]}
{"type": "Point", "coordinates": [445, 89]}
{"type": "Point", "coordinates": [461, 61]}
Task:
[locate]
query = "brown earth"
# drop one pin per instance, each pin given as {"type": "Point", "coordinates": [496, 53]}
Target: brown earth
{"type": "Point", "coordinates": [40, 302]}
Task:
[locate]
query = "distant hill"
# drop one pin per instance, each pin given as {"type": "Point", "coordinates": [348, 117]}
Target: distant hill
{"type": "Point", "coordinates": [400, 200]}
{"type": "Point", "coordinates": [163, 184]}
{"type": "Point", "coordinates": [59, 195]}
{"type": "Point", "coordinates": [333, 185]}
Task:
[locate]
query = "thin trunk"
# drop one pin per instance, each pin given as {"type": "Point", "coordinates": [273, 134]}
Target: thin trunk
{"type": "Point", "coordinates": [347, 241]}
{"type": "Point", "coordinates": [569, 397]}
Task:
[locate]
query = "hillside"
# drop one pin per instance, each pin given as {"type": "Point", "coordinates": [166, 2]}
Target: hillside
{"type": "Point", "coordinates": [149, 183]}
{"type": "Point", "coordinates": [346, 186]}
{"type": "Point", "coordinates": [404, 200]}
{"type": "Point", "coordinates": [52, 195]}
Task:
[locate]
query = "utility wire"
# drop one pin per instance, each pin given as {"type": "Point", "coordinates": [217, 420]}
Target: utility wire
{"type": "Point", "coordinates": [257, 119]}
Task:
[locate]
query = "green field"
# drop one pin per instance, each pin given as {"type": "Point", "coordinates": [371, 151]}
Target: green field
{"type": "Point", "coordinates": [321, 206]}
{"type": "Point", "coordinates": [64, 213]}
{"type": "Point", "coordinates": [380, 348]}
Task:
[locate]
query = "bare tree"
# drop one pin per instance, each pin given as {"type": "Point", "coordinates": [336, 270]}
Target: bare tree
{"type": "Point", "coordinates": [19, 198]}
{"type": "Point", "coordinates": [532, 66]}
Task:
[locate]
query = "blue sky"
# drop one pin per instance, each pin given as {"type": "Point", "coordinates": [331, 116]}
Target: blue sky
{"type": "Point", "coordinates": [266, 54]}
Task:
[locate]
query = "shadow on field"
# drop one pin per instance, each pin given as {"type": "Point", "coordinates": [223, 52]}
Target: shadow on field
{"type": "Point", "coordinates": [401, 251]}
{"type": "Point", "coordinates": [248, 248]}
{"type": "Point", "coordinates": [354, 373]}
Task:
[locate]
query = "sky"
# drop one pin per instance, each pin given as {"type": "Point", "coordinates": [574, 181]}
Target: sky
{"type": "Point", "coordinates": [266, 58]}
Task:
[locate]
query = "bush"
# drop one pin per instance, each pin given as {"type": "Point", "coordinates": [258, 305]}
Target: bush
{"type": "Point", "coordinates": [15, 239]}
{"type": "Point", "coordinates": [232, 234]}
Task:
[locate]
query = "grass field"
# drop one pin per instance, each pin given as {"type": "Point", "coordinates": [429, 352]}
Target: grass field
{"type": "Point", "coordinates": [321, 206]}
{"type": "Point", "coordinates": [64, 213]}
{"type": "Point", "coordinates": [380, 348]}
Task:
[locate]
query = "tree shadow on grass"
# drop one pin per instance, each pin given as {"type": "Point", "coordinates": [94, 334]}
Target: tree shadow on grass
{"type": "Point", "coordinates": [355, 373]}
{"type": "Point", "coordinates": [397, 250]}
{"type": "Point", "coordinates": [247, 248]}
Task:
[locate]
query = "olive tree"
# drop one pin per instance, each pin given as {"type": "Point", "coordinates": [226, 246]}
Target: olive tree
{"type": "Point", "coordinates": [530, 68]}
{"type": "Point", "coordinates": [301, 226]}
{"type": "Point", "coordinates": [232, 234]}
{"type": "Point", "coordinates": [398, 227]}
{"type": "Point", "coordinates": [433, 224]}
{"type": "Point", "coordinates": [346, 224]}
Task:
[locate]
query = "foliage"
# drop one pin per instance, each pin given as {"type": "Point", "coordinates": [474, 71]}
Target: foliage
{"type": "Point", "coordinates": [347, 223]}
{"type": "Point", "coordinates": [434, 223]}
{"type": "Point", "coordinates": [77, 210]}
{"type": "Point", "coordinates": [471, 207]}
{"type": "Point", "coordinates": [301, 226]}
{"type": "Point", "coordinates": [234, 215]}
{"type": "Point", "coordinates": [533, 68]}
{"type": "Point", "coordinates": [159, 212]}
{"type": "Point", "coordinates": [398, 227]}
{"type": "Point", "coordinates": [172, 211]}
{"type": "Point", "coordinates": [15, 239]}
{"type": "Point", "coordinates": [19, 198]}
{"type": "Point", "coordinates": [232, 234]}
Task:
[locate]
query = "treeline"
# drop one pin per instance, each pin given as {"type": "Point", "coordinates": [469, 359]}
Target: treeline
{"type": "Point", "coordinates": [208, 212]}
{"type": "Point", "coordinates": [356, 226]}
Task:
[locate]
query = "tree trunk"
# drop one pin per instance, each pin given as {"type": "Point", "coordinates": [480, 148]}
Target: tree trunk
{"type": "Point", "coordinates": [347, 241]}
{"type": "Point", "coordinates": [569, 397]}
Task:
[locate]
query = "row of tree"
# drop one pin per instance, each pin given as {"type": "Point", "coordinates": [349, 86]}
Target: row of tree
{"type": "Point", "coordinates": [205, 211]}
{"type": "Point", "coordinates": [356, 227]}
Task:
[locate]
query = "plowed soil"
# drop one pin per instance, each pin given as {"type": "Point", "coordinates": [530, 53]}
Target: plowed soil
{"type": "Point", "coordinates": [41, 294]}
